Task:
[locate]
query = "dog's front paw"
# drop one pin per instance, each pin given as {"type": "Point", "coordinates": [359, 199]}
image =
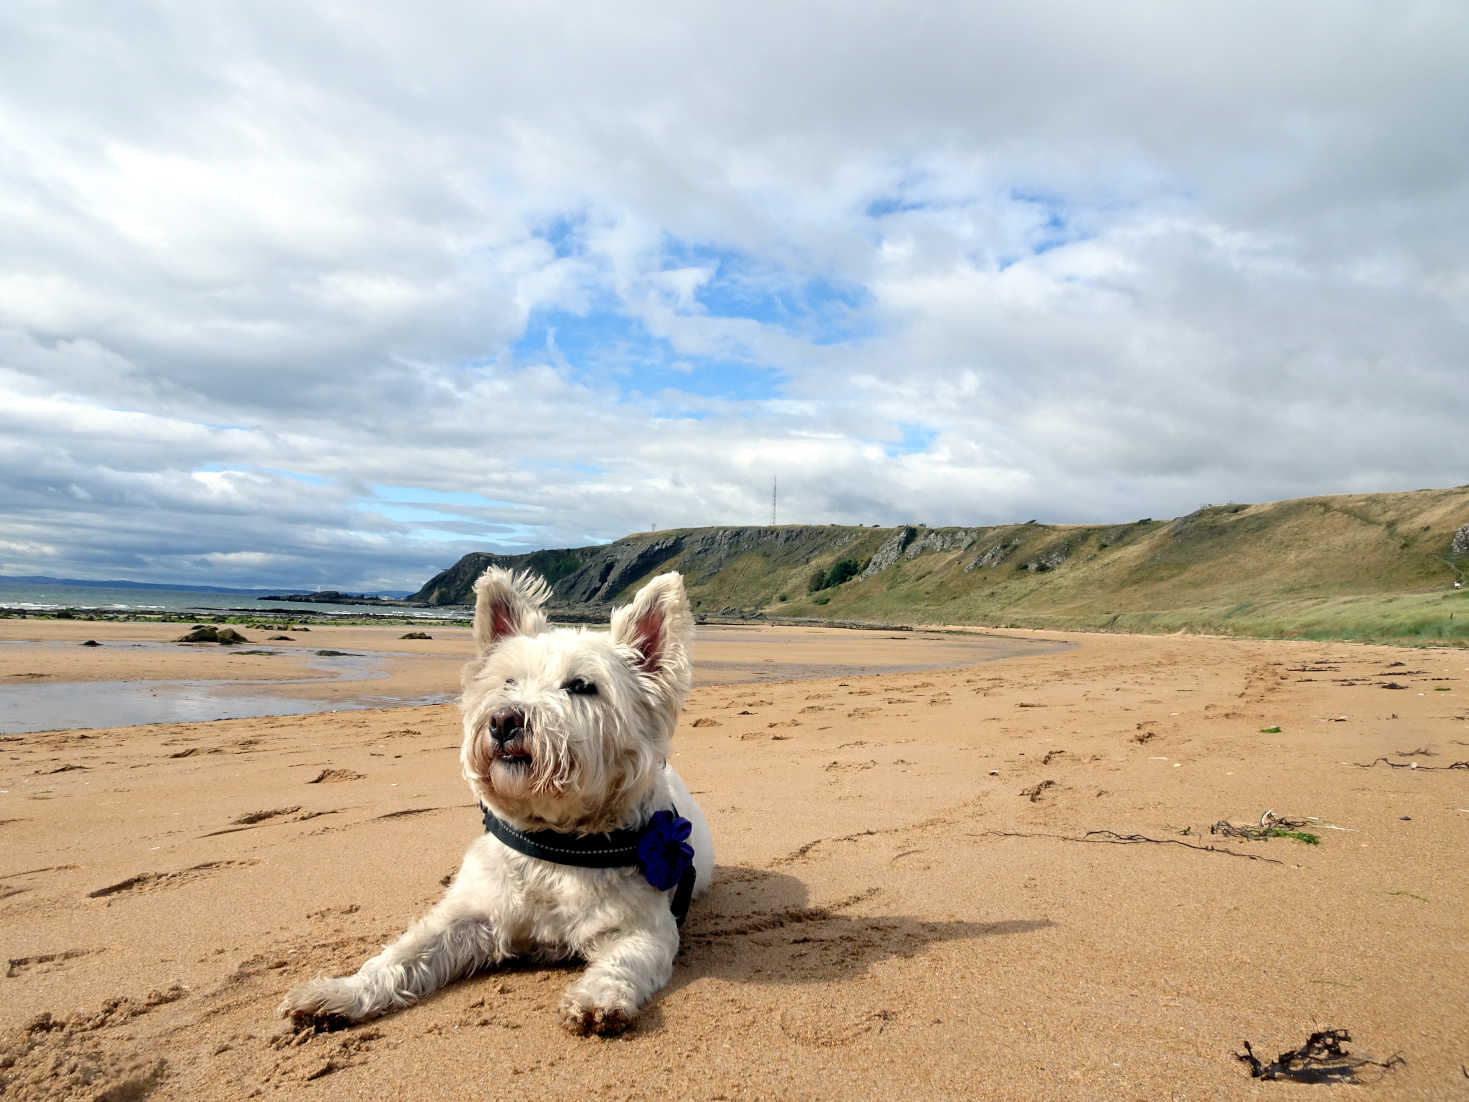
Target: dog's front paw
{"type": "Point", "coordinates": [327, 1002]}
{"type": "Point", "coordinates": [584, 1019]}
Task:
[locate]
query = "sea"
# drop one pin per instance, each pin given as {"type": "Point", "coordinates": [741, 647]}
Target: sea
{"type": "Point", "coordinates": [33, 595]}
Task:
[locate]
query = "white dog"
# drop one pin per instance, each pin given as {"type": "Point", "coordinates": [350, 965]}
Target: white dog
{"type": "Point", "coordinates": [588, 830]}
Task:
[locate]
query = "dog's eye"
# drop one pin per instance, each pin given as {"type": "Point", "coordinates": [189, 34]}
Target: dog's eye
{"type": "Point", "coordinates": [511, 681]}
{"type": "Point", "coordinates": [580, 687]}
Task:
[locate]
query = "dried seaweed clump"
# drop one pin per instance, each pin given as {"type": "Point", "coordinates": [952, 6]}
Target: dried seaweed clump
{"type": "Point", "coordinates": [1322, 1059]}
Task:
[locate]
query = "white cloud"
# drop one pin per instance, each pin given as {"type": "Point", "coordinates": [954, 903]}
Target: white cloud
{"type": "Point", "coordinates": [613, 267]}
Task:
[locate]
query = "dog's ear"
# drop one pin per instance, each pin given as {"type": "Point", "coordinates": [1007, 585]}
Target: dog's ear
{"type": "Point", "coordinates": [507, 604]}
{"type": "Point", "coordinates": [659, 627]}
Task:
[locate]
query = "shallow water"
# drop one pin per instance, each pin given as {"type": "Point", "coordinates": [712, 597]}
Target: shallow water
{"type": "Point", "coordinates": [50, 596]}
{"type": "Point", "coordinates": [72, 705]}
{"type": "Point", "coordinates": [69, 705]}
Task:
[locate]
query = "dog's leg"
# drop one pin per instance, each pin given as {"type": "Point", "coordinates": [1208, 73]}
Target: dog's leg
{"type": "Point", "coordinates": [444, 945]}
{"type": "Point", "coordinates": [623, 972]}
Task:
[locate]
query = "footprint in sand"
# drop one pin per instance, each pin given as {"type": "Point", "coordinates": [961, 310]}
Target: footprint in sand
{"type": "Point", "coordinates": [44, 962]}
{"type": "Point", "coordinates": [850, 766]}
{"type": "Point", "coordinates": [335, 912]}
{"type": "Point", "coordinates": [255, 818]}
{"type": "Point", "coordinates": [261, 816]}
{"type": "Point", "coordinates": [336, 776]}
{"type": "Point", "coordinates": [158, 881]}
{"type": "Point", "coordinates": [831, 1027]}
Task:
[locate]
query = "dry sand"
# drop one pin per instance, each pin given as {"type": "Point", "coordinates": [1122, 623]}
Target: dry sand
{"type": "Point", "coordinates": [907, 902]}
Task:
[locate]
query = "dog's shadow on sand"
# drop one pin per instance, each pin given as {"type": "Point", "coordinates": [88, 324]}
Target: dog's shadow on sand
{"type": "Point", "coordinates": [757, 925]}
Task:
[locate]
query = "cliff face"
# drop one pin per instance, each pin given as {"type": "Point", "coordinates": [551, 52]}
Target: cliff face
{"type": "Point", "coordinates": [454, 586]}
{"type": "Point", "coordinates": [604, 575]}
{"type": "Point", "coordinates": [1215, 569]}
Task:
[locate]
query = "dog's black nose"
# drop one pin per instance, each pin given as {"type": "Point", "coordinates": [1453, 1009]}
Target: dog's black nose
{"type": "Point", "coordinates": [507, 724]}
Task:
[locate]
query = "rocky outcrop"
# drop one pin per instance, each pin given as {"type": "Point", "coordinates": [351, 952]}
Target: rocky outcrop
{"type": "Point", "coordinates": [1459, 545]}
{"type": "Point", "coordinates": [330, 597]}
{"type": "Point", "coordinates": [942, 539]}
{"type": "Point", "coordinates": [208, 633]}
{"type": "Point", "coordinates": [993, 557]}
{"type": "Point", "coordinates": [889, 552]}
{"type": "Point", "coordinates": [1049, 560]}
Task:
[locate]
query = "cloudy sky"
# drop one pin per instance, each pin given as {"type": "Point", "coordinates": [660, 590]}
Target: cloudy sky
{"type": "Point", "coordinates": [330, 293]}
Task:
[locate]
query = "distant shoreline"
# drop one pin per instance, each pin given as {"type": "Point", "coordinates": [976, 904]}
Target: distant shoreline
{"type": "Point", "coordinates": [332, 597]}
{"type": "Point", "coordinates": [460, 615]}
{"type": "Point", "coordinates": [225, 616]}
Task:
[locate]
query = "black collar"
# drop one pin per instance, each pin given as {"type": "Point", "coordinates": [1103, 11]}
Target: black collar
{"type": "Point", "coordinates": [586, 851]}
{"type": "Point", "coordinates": [616, 849]}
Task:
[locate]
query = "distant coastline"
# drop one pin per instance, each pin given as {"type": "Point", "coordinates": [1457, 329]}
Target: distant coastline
{"type": "Point", "coordinates": [332, 597]}
{"type": "Point", "coordinates": [82, 600]}
{"type": "Point", "coordinates": [114, 583]}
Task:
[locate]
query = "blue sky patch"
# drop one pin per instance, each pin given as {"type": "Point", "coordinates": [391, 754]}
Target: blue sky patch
{"type": "Point", "coordinates": [710, 378]}
{"type": "Point", "coordinates": [914, 439]}
{"type": "Point", "coordinates": [308, 479]}
{"type": "Point", "coordinates": [892, 204]}
{"type": "Point", "coordinates": [602, 347]}
{"type": "Point", "coordinates": [1055, 227]}
{"type": "Point", "coordinates": [823, 311]}
{"type": "Point", "coordinates": [564, 233]}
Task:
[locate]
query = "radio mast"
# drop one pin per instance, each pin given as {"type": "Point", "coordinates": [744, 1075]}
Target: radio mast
{"type": "Point", "coordinates": [772, 501]}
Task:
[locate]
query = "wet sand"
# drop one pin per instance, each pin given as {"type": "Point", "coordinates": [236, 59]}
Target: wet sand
{"type": "Point", "coordinates": [141, 674]}
{"type": "Point", "coordinates": [988, 880]}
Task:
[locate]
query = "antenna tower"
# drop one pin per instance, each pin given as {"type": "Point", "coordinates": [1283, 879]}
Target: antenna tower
{"type": "Point", "coordinates": [772, 501]}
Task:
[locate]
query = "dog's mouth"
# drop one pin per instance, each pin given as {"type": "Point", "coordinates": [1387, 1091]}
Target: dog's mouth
{"type": "Point", "coordinates": [514, 753]}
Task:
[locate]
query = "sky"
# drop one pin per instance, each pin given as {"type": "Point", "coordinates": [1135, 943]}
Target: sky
{"type": "Point", "coordinates": [330, 294]}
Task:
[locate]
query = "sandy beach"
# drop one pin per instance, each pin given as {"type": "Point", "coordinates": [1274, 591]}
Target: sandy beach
{"type": "Point", "coordinates": [960, 867]}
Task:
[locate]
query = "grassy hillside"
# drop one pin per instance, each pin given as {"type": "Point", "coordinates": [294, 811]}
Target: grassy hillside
{"type": "Point", "coordinates": [1379, 566]}
{"type": "Point", "coordinates": [1369, 566]}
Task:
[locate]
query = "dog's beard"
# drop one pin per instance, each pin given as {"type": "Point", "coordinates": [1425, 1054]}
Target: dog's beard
{"type": "Point", "coordinates": [539, 777]}
{"type": "Point", "coordinates": [513, 769]}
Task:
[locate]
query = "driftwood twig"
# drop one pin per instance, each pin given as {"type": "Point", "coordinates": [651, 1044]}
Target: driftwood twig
{"type": "Point", "coordinates": [1111, 837]}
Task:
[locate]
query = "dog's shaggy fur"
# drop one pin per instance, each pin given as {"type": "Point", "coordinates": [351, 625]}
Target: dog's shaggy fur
{"type": "Point", "coordinates": [564, 730]}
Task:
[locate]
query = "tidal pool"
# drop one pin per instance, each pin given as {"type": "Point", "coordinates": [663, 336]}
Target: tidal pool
{"type": "Point", "coordinates": [72, 705]}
